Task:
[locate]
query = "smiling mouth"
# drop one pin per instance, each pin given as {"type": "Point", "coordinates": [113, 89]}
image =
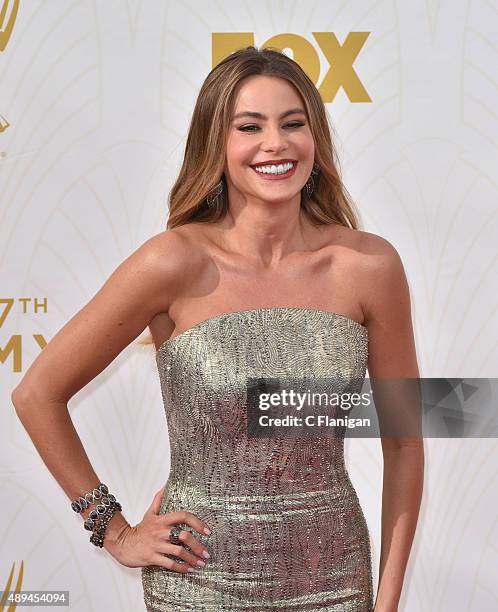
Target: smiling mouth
{"type": "Point", "coordinates": [276, 175]}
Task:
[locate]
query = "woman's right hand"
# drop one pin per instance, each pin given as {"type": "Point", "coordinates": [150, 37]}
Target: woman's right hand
{"type": "Point", "coordinates": [147, 543]}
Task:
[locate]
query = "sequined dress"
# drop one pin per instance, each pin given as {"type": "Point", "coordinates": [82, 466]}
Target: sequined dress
{"type": "Point", "coordinates": [288, 531]}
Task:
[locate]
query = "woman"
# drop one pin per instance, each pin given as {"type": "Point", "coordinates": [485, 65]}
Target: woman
{"type": "Point", "coordinates": [262, 272]}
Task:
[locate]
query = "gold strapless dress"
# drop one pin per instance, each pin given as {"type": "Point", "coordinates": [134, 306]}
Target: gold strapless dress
{"type": "Point", "coordinates": [288, 531]}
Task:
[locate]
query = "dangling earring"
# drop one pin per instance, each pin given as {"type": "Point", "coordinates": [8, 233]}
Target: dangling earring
{"type": "Point", "coordinates": [213, 198]}
{"type": "Point", "coordinates": [310, 183]}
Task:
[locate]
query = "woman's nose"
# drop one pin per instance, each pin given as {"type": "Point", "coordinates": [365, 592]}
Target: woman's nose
{"type": "Point", "coordinates": [274, 139]}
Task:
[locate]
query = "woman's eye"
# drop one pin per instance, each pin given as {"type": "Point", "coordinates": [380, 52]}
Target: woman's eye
{"type": "Point", "coordinates": [292, 124]}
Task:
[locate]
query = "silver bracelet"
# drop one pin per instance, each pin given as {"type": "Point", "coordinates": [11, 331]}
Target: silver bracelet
{"type": "Point", "coordinates": [99, 517]}
{"type": "Point", "coordinates": [82, 502]}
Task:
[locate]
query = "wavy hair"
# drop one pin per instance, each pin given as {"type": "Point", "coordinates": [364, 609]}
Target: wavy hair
{"type": "Point", "coordinates": [202, 167]}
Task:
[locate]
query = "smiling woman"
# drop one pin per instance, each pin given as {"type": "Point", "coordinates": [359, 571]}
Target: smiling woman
{"type": "Point", "coordinates": [225, 119]}
{"type": "Point", "coordinates": [250, 171]}
{"type": "Point", "coordinates": [262, 273]}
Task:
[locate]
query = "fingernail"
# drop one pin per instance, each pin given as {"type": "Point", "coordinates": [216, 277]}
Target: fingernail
{"type": "Point", "coordinates": [207, 531]}
{"type": "Point", "coordinates": [201, 563]}
{"type": "Point", "coordinates": [205, 554]}
{"type": "Point", "coordinates": [190, 569]}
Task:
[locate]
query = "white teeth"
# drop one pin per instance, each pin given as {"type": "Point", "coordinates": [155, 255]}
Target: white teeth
{"type": "Point", "coordinates": [280, 169]}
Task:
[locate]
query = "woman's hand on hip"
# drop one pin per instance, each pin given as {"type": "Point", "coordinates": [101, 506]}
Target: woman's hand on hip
{"type": "Point", "coordinates": [147, 543]}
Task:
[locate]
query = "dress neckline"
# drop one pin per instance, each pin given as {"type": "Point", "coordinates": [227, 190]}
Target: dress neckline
{"type": "Point", "coordinates": [171, 340]}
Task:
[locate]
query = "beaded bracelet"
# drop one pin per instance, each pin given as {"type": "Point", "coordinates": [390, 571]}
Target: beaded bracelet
{"type": "Point", "coordinates": [99, 511]}
{"type": "Point", "coordinates": [100, 516]}
{"type": "Point", "coordinates": [97, 537]}
{"type": "Point", "coordinates": [82, 502]}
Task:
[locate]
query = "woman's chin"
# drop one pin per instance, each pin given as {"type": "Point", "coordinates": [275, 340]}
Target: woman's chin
{"type": "Point", "coordinates": [270, 193]}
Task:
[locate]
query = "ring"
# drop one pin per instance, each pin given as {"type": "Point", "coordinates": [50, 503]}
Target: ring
{"type": "Point", "coordinates": [174, 534]}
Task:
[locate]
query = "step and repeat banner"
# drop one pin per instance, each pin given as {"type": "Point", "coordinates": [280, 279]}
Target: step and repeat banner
{"type": "Point", "coordinates": [95, 103]}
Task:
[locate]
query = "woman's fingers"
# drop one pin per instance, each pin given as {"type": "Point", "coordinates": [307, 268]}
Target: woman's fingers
{"type": "Point", "coordinates": [173, 518]}
{"type": "Point", "coordinates": [162, 561]}
{"type": "Point", "coordinates": [181, 552]}
{"type": "Point", "coordinates": [159, 528]}
{"type": "Point", "coordinates": [187, 538]}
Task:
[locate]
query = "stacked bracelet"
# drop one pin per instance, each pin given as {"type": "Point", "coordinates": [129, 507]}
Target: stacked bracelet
{"type": "Point", "coordinates": [99, 512]}
{"type": "Point", "coordinates": [98, 534]}
{"type": "Point", "coordinates": [100, 516]}
{"type": "Point", "coordinates": [82, 503]}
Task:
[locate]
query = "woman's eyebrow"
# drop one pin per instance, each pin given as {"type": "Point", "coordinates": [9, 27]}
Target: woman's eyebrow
{"type": "Point", "coordinates": [257, 115]}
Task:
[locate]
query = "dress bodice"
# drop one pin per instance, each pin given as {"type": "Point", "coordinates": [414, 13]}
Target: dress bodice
{"type": "Point", "coordinates": [288, 532]}
{"type": "Point", "coordinates": [204, 372]}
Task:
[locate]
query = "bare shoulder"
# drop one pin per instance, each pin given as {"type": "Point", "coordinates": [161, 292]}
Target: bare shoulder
{"type": "Point", "coordinates": [175, 243]}
{"type": "Point", "coordinates": [376, 253]}
{"type": "Point", "coordinates": [183, 252]}
{"type": "Point", "coordinates": [366, 252]}
{"type": "Point", "coordinates": [383, 278]}
{"type": "Point", "coordinates": [379, 276]}
{"type": "Point", "coordinates": [379, 263]}
{"type": "Point", "coordinates": [174, 253]}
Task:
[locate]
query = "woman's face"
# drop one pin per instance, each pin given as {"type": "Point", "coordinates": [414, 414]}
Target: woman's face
{"type": "Point", "coordinates": [253, 140]}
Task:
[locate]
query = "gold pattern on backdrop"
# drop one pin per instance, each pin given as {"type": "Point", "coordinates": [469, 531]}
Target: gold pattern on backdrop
{"type": "Point", "coordinates": [340, 58]}
{"type": "Point", "coordinates": [13, 345]}
{"type": "Point", "coordinates": [7, 21]}
{"type": "Point", "coordinates": [4, 124]}
{"type": "Point", "coordinates": [8, 585]}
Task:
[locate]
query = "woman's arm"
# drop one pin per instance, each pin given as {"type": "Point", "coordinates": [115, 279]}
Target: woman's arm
{"type": "Point", "coordinates": [401, 496]}
{"type": "Point", "coordinates": [134, 293]}
{"type": "Point", "coordinates": [392, 355]}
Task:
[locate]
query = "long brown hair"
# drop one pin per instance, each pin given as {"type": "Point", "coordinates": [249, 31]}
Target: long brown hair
{"type": "Point", "coordinates": [204, 157]}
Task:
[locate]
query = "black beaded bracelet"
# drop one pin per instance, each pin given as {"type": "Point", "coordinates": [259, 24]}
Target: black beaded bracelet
{"type": "Point", "coordinates": [100, 516]}
{"type": "Point", "coordinates": [99, 511]}
{"type": "Point", "coordinates": [97, 537]}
